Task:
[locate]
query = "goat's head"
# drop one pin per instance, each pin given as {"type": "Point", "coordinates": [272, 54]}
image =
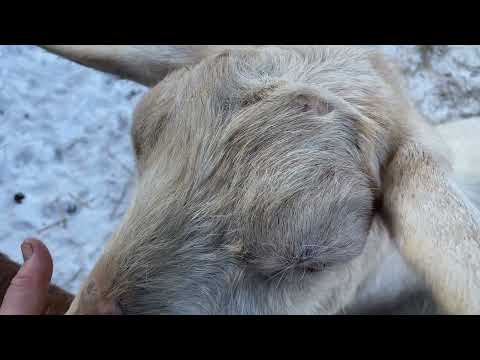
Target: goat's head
{"type": "Point", "coordinates": [258, 171]}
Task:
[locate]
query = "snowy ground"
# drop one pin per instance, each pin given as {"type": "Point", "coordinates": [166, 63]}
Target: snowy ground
{"type": "Point", "coordinates": [64, 143]}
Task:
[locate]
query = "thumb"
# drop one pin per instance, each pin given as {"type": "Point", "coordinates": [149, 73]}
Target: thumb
{"type": "Point", "coordinates": [27, 293]}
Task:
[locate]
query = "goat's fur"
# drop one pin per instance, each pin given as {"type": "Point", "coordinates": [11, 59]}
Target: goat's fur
{"type": "Point", "coordinates": [281, 180]}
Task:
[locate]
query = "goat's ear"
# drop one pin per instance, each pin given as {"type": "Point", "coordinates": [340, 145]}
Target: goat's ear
{"type": "Point", "coordinates": [145, 64]}
{"type": "Point", "coordinates": [436, 227]}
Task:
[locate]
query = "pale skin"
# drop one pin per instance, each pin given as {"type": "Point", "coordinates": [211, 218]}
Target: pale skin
{"type": "Point", "coordinates": [27, 294]}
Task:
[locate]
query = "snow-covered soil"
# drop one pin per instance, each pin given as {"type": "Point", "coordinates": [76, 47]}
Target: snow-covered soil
{"type": "Point", "coordinates": [65, 143]}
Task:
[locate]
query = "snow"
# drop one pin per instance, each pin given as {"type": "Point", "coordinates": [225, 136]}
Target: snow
{"type": "Point", "coordinates": [64, 143]}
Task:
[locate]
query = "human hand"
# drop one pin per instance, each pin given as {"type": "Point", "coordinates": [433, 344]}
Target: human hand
{"type": "Point", "coordinates": [28, 290]}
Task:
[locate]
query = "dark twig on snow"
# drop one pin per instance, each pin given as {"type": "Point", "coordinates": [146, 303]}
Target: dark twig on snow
{"type": "Point", "coordinates": [61, 222]}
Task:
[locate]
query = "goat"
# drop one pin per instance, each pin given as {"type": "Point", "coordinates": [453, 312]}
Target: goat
{"type": "Point", "coordinates": [283, 180]}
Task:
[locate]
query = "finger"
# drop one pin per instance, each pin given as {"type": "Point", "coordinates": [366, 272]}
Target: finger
{"type": "Point", "coordinates": [27, 293]}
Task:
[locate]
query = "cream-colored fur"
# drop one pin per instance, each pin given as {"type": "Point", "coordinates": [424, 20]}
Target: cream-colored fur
{"type": "Point", "coordinates": [425, 234]}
